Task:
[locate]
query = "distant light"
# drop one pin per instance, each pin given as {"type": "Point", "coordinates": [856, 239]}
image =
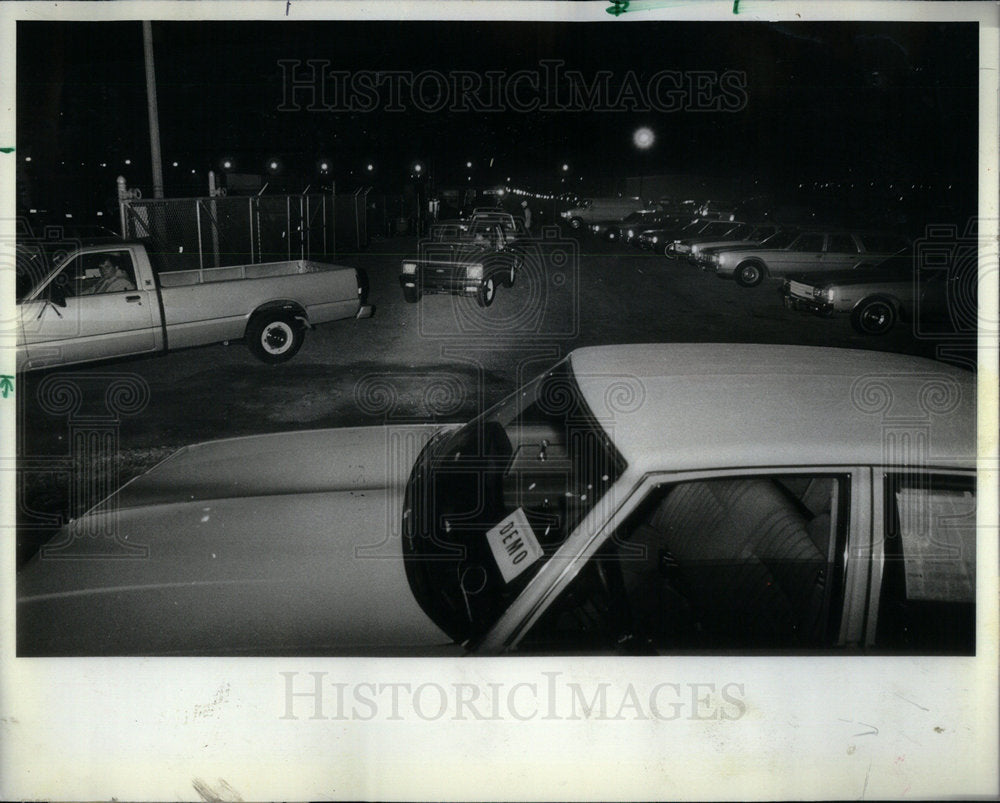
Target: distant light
{"type": "Point", "coordinates": [500, 192]}
{"type": "Point", "coordinates": [417, 167]}
{"type": "Point", "coordinates": [32, 211]}
{"type": "Point", "coordinates": [100, 214]}
{"type": "Point", "coordinates": [468, 164]}
{"type": "Point", "coordinates": [508, 178]}
{"type": "Point", "coordinates": [227, 165]}
{"type": "Point", "coordinates": [69, 214]}
{"type": "Point", "coordinates": [565, 167]}
{"type": "Point", "coordinates": [468, 178]}
{"type": "Point", "coordinates": [273, 165]}
{"type": "Point", "coordinates": [324, 166]}
{"type": "Point", "coordinates": [192, 171]}
{"type": "Point", "coordinates": [370, 167]}
{"type": "Point", "coordinates": [27, 158]}
{"type": "Point", "coordinates": [104, 164]}
{"type": "Point", "coordinates": [128, 161]}
{"type": "Point", "coordinates": [643, 138]}
{"type": "Point", "coordinates": [175, 164]}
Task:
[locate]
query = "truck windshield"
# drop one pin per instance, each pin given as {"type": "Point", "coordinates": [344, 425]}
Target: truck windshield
{"type": "Point", "coordinates": [488, 504]}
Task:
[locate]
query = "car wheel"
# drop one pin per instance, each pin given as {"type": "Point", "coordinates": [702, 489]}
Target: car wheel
{"type": "Point", "coordinates": [411, 295]}
{"type": "Point", "coordinates": [874, 316]}
{"type": "Point", "coordinates": [487, 292]}
{"type": "Point", "coordinates": [749, 274]}
{"type": "Point", "coordinates": [275, 337]}
{"type": "Point", "coordinates": [510, 274]}
{"type": "Point", "coordinates": [668, 251]}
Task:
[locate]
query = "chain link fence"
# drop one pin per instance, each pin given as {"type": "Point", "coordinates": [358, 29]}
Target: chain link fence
{"type": "Point", "coordinates": [198, 233]}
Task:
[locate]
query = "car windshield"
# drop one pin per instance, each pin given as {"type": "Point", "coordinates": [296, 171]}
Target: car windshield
{"type": "Point", "coordinates": [488, 504]}
{"type": "Point", "coordinates": [780, 239]}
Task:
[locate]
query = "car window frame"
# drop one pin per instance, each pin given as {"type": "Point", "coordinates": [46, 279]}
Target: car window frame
{"type": "Point", "coordinates": [880, 510]}
{"type": "Point", "coordinates": [553, 579]}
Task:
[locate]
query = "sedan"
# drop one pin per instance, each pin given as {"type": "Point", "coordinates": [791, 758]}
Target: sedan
{"type": "Point", "coordinates": [645, 499]}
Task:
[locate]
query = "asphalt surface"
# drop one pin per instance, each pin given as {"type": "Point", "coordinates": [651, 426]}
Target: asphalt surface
{"type": "Point", "coordinates": [443, 358]}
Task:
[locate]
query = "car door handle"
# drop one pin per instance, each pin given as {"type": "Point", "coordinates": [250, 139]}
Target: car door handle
{"type": "Point", "coordinates": [133, 299]}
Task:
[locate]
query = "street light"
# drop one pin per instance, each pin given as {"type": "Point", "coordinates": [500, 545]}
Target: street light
{"type": "Point", "coordinates": [370, 167]}
{"type": "Point", "coordinates": [227, 164]}
{"type": "Point", "coordinates": [468, 164]}
{"type": "Point", "coordinates": [417, 167]}
{"type": "Point", "coordinates": [643, 138]}
{"type": "Point", "coordinates": [565, 168]}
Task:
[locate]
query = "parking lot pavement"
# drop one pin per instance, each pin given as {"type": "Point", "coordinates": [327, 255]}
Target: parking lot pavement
{"type": "Point", "coordinates": [443, 358]}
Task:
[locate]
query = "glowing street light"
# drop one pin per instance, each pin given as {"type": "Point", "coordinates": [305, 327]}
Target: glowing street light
{"type": "Point", "coordinates": [468, 164]}
{"type": "Point", "coordinates": [128, 161]}
{"type": "Point", "coordinates": [227, 164]}
{"type": "Point", "coordinates": [417, 167]}
{"type": "Point", "coordinates": [370, 167]}
{"type": "Point", "coordinates": [643, 138]}
{"type": "Point", "coordinates": [565, 168]}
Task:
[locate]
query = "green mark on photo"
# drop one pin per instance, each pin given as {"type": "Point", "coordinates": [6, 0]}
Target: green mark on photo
{"type": "Point", "coordinates": [6, 385]}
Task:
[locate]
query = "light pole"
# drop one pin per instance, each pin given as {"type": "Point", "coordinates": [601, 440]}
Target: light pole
{"type": "Point", "coordinates": [154, 116]}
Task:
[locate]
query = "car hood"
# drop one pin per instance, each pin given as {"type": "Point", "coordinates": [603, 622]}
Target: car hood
{"type": "Point", "coordinates": [271, 544]}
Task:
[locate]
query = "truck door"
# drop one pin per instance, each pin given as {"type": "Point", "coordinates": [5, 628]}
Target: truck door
{"type": "Point", "coordinates": [92, 308]}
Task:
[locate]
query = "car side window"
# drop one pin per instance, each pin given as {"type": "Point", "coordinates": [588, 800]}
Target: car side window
{"type": "Point", "coordinates": [729, 563]}
{"type": "Point", "coordinates": [928, 590]}
{"type": "Point", "coordinates": [107, 272]}
{"type": "Point", "coordinates": [841, 244]}
{"type": "Point", "coordinates": [807, 242]}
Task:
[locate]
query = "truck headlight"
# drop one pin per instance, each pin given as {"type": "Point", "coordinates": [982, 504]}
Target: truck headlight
{"type": "Point", "coordinates": [474, 271]}
{"type": "Point", "coordinates": [409, 268]}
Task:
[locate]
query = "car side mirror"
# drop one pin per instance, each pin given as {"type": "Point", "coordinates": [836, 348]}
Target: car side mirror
{"type": "Point", "coordinates": [57, 295]}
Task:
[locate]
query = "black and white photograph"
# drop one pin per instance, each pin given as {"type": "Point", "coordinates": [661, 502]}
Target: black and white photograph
{"type": "Point", "coordinates": [570, 400]}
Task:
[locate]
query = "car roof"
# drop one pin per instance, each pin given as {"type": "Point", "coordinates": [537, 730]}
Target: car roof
{"type": "Point", "coordinates": [721, 405]}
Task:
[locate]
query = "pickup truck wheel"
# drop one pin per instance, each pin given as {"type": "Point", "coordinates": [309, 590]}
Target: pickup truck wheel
{"type": "Point", "coordinates": [749, 274]}
{"type": "Point", "coordinates": [411, 295]}
{"type": "Point", "coordinates": [275, 337]}
{"type": "Point", "coordinates": [874, 316]}
{"type": "Point", "coordinates": [487, 292]}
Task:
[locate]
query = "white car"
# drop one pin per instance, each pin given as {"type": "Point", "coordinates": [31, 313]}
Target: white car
{"type": "Point", "coordinates": [633, 499]}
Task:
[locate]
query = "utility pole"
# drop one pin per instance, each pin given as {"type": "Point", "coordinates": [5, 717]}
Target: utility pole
{"type": "Point", "coordinates": [154, 117]}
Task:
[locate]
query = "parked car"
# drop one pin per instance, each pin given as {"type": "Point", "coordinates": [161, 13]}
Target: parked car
{"type": "Point", "coordinates": [69, 312]}
{"type": "Point", "coordinates": [591, 210]}
{"type": "Point", "coordinates": [812, 251]}
{"type": "Point", "coordinates": [615, 229]}
{"type": "Point", "coordinates": [740, 234]}
{"type": "Point", "coordinates": [680, 247]}
{"type": "Point", "coordinates": [471, 262]}
{"type": "Point", "coordinates": [707, 254]}
{"type": "Point", "coordinates": [632, 499]}
{"type": "Point", "coordinates": [660, 239]}
{"type": "Point", "coordinates": [877, 299]}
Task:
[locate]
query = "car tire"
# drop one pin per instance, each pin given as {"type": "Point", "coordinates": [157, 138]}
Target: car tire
{"type": "Point", "coordinates": [668, 251]}
{"type": "Point", "coordinates": [749, 274]}
{"type": "Point", "coordinates": [487, 292]}
{"type": "Point", "coordinates": [509, 275]}
{"type": "Point", "coordinates": [874, 316]}
{"type": "Point", "coordinates": [274, 337]}
{"type": "Point", "coordinates": [411, 295]}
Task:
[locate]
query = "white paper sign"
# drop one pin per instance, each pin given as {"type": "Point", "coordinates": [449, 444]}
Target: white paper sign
{"type": "Point", "coordinates": [513, 544]}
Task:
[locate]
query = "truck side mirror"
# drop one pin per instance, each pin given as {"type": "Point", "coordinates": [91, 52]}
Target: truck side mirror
{"type": "Point", "coordinates": [57, 294]}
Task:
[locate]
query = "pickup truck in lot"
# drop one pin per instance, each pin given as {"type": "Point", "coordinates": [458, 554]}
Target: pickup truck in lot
{"type": "Point", "coordinates": [118, 298]}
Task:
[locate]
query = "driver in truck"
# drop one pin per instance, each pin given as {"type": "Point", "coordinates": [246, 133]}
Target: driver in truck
{"type": "Point", "coordinates": [113, 279]}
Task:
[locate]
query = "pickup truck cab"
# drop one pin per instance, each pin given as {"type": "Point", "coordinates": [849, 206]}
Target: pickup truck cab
{"type": "Point", "coordinates": [118, 298]}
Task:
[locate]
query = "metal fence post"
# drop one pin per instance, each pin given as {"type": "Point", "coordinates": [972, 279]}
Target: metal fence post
{"type": "Point", "coordinates": [201, 262]}
{"type": "Point", "coordinates": [250, 223]}
{"type": "Point", "coordinates": [288, 224]}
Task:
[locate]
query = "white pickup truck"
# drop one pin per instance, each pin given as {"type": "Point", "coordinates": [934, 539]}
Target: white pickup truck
{"type": "Point", "coordinates": [120, 299]}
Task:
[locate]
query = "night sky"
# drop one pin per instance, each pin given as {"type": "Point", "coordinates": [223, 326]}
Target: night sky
{"type": "Point", "coordinates": [821, 101]}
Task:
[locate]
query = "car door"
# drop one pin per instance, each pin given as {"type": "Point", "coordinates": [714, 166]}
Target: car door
{"type": "Point", "coordinates": [805, 253]}
{"type": "Point", "coordinates": [842, 252]}
{"type": "Point", "coordinates": [773, 560]}
{"type": "Point", "coordinates": [67, 321]}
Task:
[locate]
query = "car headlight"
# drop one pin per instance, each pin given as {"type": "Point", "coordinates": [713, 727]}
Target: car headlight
{"type": "Point", "coordinates": [631, 233]}
{"type": "Point", "coordinates": [474, 271]}
{"type": "Point", "coordinates": [823, 293]}
{"type": "Point", "coordinates": [654, 240]}
{"type": "Point", "coordinates": [409, 268]}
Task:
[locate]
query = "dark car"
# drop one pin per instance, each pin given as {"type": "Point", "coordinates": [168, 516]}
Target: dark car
{"type": "Point", "coordinates": [469, 261]}
{"type": "Point", "coordinates": [662, 238]}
